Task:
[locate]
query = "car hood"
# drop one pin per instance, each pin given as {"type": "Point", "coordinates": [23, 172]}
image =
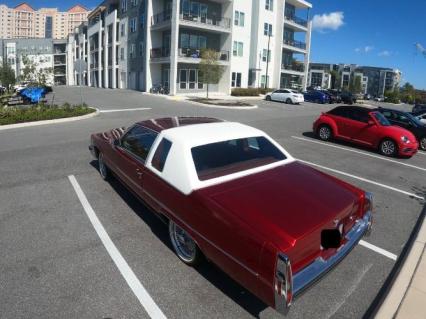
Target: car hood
{"type": "Point", "coordinates": [289, 205]}
{"type": "Point", "coordinates": [401, 132]}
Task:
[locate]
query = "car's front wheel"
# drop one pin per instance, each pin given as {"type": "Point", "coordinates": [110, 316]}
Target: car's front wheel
{"type": "Point", "coordinates": [388, 148]}
{"type": "Point", "coordinates": [289, 101]}
{"type": "Point", "coordinates": [268, 98]}
{"type": "Point", "coordinates": [325, 133]}
{"type": "Point", "coordinates": [103, 169]}
{"type": "Point", "coordinates": [423, 143]}
{"type": "Point", "coordinates": [183, 244]}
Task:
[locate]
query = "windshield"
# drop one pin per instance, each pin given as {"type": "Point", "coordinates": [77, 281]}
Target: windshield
{"type": "Point", "coordinates": [381, 119]}
{"type": "Point", "coordinates": [414, 119]}
{"type": "Point", "coordinates": [232, 156]}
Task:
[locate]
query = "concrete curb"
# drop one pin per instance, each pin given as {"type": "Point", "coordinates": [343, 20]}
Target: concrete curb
{"type": "Point", "coordinates": [395, 297]}
{"type": "Point", "coordinates": [252, 107]}
{"type": "Point", "coordinates": [46, 122]}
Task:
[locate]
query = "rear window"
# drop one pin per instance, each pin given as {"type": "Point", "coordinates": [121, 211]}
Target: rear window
{"type": "Point", "coordinates": [224, 158]}
{"type": "Point", "coordinates": [160, 156]}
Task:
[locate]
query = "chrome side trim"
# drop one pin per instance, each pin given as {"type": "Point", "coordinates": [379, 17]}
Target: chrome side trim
{"type": "Point", "coordinates": [319, 267]}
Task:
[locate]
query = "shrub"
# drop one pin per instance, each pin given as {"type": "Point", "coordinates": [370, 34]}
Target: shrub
{"type": "Point", "coordinates": [40, 112]}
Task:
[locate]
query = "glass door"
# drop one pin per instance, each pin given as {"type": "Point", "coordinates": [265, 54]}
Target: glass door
{"type": "Point", "coordinates": [203, 13]}
{"type": "Point", "coordinates": [166, 78]}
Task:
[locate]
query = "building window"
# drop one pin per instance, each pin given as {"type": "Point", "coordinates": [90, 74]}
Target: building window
{"type": "Point", "coordinates": [182, 79]}
{"type": "Point", "coordinates": [122, 30]}
{"type": "Point", "coordinates": [238, 48]}
{"type": "Point", "coordinates": [190, 79]}
{"type": "Point", "coordinates": [142, 20]}
{"type": "Point", "coordinates": [267, 29]}
{"type": "Point", "coordinates": [133, 25]}
{"type": "Point", "coordinates": [122, 54]}
{"type": "Point", "coordinates": [239, 18]}
{"type": "Point", "coordinates": [141, 48]}
{"type": "Point", "coordinates": [133, 3]}
{"type": "Point", "coordinates": [269, 5]}
{"type": "Point", "coordinates": [266, 56]}
{"type": "Point", "coordinates": [236, 80]}
{"type": "Point", "coordinates": [132, 51]}
{"type": "Point", "coordinates": [263, 81]}
{"type": "Point", "coordinates": [123, 5]}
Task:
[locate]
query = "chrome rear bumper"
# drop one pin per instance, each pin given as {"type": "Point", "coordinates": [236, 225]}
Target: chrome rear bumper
{"type": "Point", "coordinates": [308, 275]}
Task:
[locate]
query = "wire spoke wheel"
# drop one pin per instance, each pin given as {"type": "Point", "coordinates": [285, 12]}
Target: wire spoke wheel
{"type": "Point", "coordinates": [423, 144]}
{"type": "Point", "coordinates": [183, 244]}
{"type": "Point", "coordinates": [324, 133]}
{"type": "Point", "coordinates": [388, 147]}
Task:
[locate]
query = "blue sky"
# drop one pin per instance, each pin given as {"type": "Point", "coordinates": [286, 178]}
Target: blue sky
{"type": "Point", "coordinates": [374, 32]}
{"type": "Point", "coordinates": [367, 32]}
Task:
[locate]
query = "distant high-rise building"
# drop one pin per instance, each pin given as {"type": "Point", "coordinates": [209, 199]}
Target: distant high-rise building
{"type": "Point", "coordinates": [23, 21]}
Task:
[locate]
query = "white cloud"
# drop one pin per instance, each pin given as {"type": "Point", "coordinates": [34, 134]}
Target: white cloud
{"type": "Point", "coordinates": [328, 21]}
{"type": "Point", "coordinates": [384, 53]}
{"type": "Point", "coordinates": [365, 49]}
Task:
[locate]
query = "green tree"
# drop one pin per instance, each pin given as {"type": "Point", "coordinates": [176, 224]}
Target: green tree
{"type": "Point", "coordinates": [210, 69]}
{"type": "Point", "coordinates": [334, 79]}
{"type": "Point", "coordinates": [355, 86]}
{"type": "Point", "coordinates": [392, 96]}
{"type": "Point", "coordinates": [408, 93]}
{"type": "Point", "coordinates": [7, 75]}
{"type": "Point", "coordinates": [32, 72]}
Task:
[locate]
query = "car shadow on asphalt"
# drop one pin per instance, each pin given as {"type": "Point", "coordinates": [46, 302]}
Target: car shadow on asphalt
{"type": "Point", "coordinates": [208, 270]}
{"type": "Point", "coordinates": [312, 136]}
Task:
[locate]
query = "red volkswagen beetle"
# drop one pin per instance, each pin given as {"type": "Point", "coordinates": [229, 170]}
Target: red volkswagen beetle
{"type": "Point", "coordinates": [231, 193]}
{"type": "Point", "coordinates": [365, 127]}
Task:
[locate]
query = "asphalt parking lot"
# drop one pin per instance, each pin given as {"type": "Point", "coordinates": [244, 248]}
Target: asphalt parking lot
{"type": "Point", "coordinates": [55, 263]}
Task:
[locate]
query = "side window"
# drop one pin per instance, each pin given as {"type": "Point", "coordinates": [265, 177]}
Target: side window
{"type": "Point", "coordinates": [160, 156]}
{"type": "Point", "coordinates": [360, 116]}
{"type": "Point", "coordinates": [139, 141]}
{"type": "Point", "coordinates": [339, 112]}
{"type": "Point", "coordinates": [402, 118]}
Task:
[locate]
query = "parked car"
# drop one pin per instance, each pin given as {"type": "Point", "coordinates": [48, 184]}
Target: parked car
{"type": "Point", "coordinates": [408, 122]}
{"type": "Point", "coordinates": [316, 97]}
{"type": "Point", "coordinates": [2, 90]}
{"type": "Point", "coordinates": [365, 127]}
{"type": "Point", "coordinates": [348, 98]}
{"type": "Point", "coordinates": [367, 97]}
{"type": "Point", "coordinates": [232, 194]}
{"type": "Point", "coordinates": [336, 95]}
{"type": "Point", "coordinates": [20, 86]}
{"type": "Point", "coordinates": [285, 95]}
{"type": "Point", "coordinates": [419, 108]}
{"type": "Point", "coordinates": [379, 99]}
{"type": "Point", "coordinates": [421, 117]}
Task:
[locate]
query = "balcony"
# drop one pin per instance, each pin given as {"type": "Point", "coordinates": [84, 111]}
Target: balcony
{"type": "Point", "coordinates": [295, 66]}
{"type": "Point", "coordinates": [296, 20]}
{"type": "Point", "coordinates": [159, 53]}
{"type": "Point", "coordinates": [295, 44]}
{"type": "Point", "coordinates": [188, 53]}
{"type": "Point", "coordinates": [161, 18]}
{"type": "Point", "coordinates": [212, 23]}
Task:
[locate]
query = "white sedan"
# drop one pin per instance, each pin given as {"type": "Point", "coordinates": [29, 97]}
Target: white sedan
{"type": "Point", "coordinates": [421, 117]}
{"type": "Point", "coordinates": [285, 95]}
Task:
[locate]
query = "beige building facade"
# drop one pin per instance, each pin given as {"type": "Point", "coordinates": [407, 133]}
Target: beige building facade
{"type": "Point", "coordinates": [23, 21]}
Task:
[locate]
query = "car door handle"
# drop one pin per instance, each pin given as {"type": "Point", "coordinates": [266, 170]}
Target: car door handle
{"type": "Point", "coordinates": [139, 173]}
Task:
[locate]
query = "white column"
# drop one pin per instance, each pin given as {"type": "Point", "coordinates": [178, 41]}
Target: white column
{"type": "Point", "coordinates": [88, 59]}
{"type": "Point", "coordinates": [100, 54]}
{"type": "Point", "coordinates": [174, 47]}
{"type": "Point", "coordinates": [106, 56]}
{"type": "Point", "coordinates": [114, 47]}
{"type": "Point", "coordinates": [307, 55]}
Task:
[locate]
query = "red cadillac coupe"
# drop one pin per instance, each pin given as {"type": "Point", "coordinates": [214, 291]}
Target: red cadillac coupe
{"type": "Point", "coordinates": [366, 127]}
{"type": "Point", "coordinates": [232, 194]}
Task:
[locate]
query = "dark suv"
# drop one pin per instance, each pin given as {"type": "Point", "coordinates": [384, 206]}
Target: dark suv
{"type": "Point", "coordinates": [407, 121]}
{"type": "Point", "coordinates": [419, 108]}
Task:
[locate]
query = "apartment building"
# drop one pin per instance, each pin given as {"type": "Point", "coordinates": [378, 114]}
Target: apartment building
{"type": "Point", "coordinates": [374, 80]}
{"type": "Point", "coordinates": [23, 21]}
{"type": "Point", "coordinates": [136, 44]}
{"type": "Point", "coordinates": [40, 51]}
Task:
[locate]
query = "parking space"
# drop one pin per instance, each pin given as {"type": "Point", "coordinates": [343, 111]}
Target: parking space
{"type": "Point", "coordinates": [56, 261]}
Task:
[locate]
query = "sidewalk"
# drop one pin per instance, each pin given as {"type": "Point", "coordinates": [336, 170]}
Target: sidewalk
{"type": "Point", "coordinates": [407, 297]}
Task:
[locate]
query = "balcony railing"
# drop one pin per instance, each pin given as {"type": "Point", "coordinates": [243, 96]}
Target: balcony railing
{"type": "Point", "coordinates": [161, 17]}
{"type": "Point", "coordinates": [158, 53]}
{"type": "Point", "coordinates": [295, 43]}
{"type": "Point", "coordinates": [196, 54]}
{"type": "Point", "coordinates": [296, 66]}
{"type": "Point", "coordinates": [295, 19]}
{"type": "Point", "coordinates": [221, 22]}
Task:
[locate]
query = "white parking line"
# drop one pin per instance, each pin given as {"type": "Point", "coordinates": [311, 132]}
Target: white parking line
{"type": "Point", "coordinates": [125, 110]}
{"type": "Point", "coordinates": [359, 152]}
{"type": "Point", "coordinates": [364, 180]}
{"type": "Point", "coordinates": [140, 292]}
{"type": "Point", "coordinates": [378, 250]}
{"type": "Point", "coordinates": [421, 152]}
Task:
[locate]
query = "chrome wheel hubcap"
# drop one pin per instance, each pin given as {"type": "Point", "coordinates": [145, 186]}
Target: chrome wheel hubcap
{"type": "Point", "coordinates": [423, 143]}
{"type": "Point", "coordinates": [388, 147]}
{"type": "Point", "coordinates": [324, 133]}
{"type": "Point", "coordinates": [184, 245]}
